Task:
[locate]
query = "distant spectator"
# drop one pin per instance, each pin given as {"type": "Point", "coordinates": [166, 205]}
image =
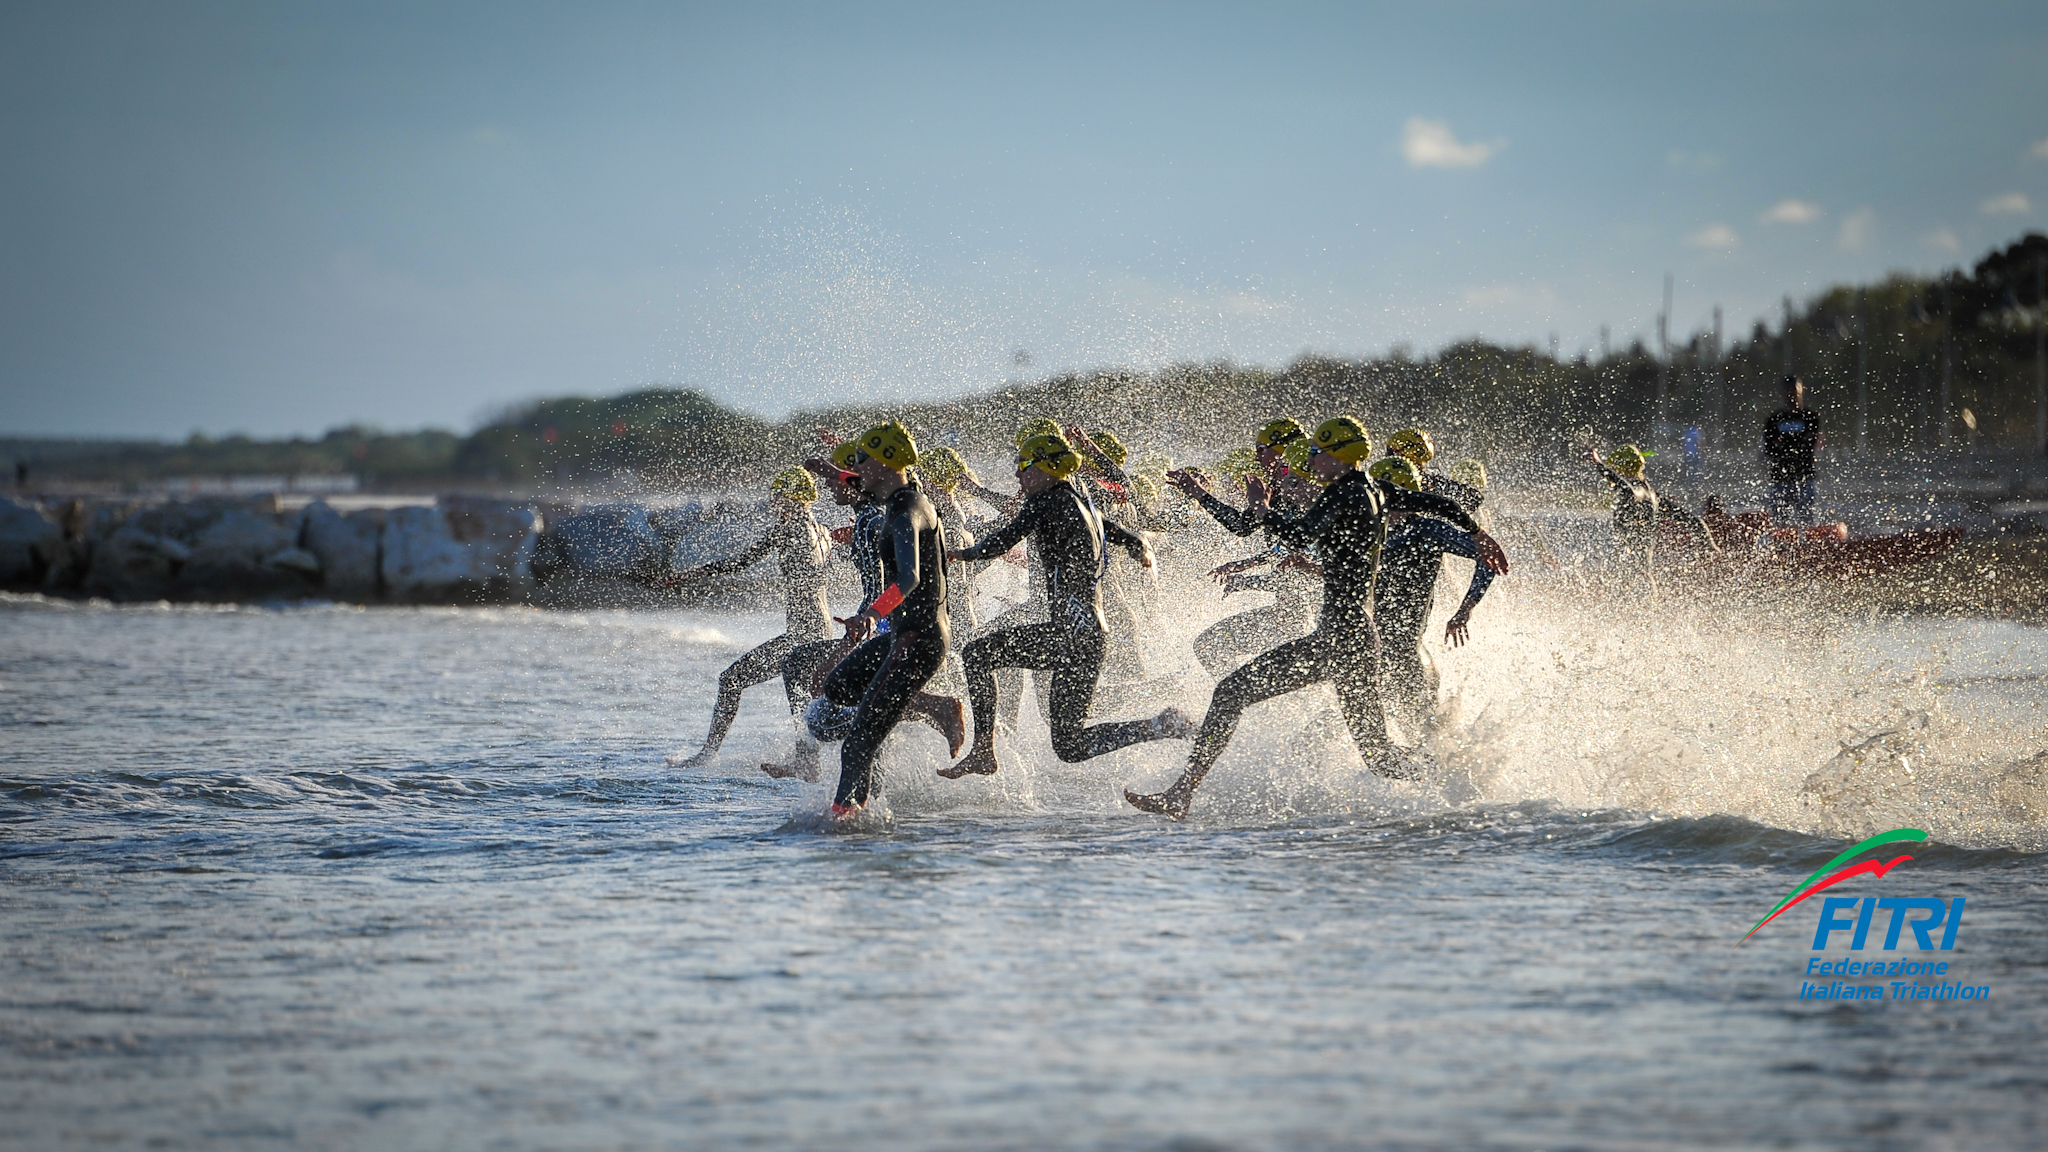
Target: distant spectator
{"type": "Point", "coordinates": [1690, 444]}
{"type": "Point", "coordinates": [1792, 438]}
{"type": "Point", "coordinates": [21, 474]}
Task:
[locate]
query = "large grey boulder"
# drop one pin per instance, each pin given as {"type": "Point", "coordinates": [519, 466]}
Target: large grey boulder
{"type": "Point", "coordinates": [462, 550]}
{"type": "Point", "coordinates": [608, 540]}
{"type": "Point", "coordinates": [29, 540]}
{"type": "Point", "coordinates": [135, 564]}
{"type": "Point", "coordinates": [232, 558]}
{"type": "Point", "coordinates": [347, 548]}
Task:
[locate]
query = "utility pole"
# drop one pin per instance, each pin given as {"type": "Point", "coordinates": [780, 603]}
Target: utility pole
{"type": "Point", "coordinates": [1947, 359]}
{"type": "Point", "coordinates": [1662, 424]}
{"type": "Point", "coordinates": [1788, 338]}
{"type": "Point", "coordinates": [2040, 354]}
{"type": "Point", "coordinates": [1862, 381]}
{"type": "Point", "coordinates": [1719, 399]}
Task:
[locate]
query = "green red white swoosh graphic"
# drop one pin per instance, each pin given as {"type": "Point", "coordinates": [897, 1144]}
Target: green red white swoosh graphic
{"type": "Point", "coordinates": [1815, 883]}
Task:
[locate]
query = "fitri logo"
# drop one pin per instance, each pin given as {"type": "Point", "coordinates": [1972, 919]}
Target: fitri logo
{"type": "Point", "coordinates": [1930, 924]}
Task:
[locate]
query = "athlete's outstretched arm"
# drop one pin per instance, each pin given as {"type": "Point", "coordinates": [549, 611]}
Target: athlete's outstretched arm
{"type": "Point", "coordinates": [1117, 534]}
{"type": "Point", "coordinates": [997, 541]}
{"type": "Point", "coordinates": [754, 554]}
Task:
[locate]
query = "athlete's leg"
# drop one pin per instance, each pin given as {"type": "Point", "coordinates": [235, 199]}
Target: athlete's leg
{"type": "Point", "coordinates": [1288, 668]}
{"type": "Point", "coordinates": [756, 667]}
{"type": "Point", "coordinates": [1073, 691]}
{"type": "Point", "coordinates": [1356, 671]}
{"type": "Point", "coordinates": [1026, 646]}
{"type": "Point", "coordinates": [1221, 644]}
{"type": "Point", "coordinates": [910, 660]}
{"type": "Point", "coordinates": [1404, 679]}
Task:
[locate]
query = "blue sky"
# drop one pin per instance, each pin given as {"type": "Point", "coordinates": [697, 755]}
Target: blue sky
{"type": "Point", "coordinates": [277, 218]}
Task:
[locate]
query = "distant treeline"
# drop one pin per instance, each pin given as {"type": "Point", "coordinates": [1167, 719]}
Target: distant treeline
{"type": "Point", "coordinates": [1902, 359]}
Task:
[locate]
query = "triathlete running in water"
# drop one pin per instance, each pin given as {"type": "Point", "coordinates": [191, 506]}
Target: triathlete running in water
{"type": "Point", "coordinates": [802, 547]}
{"type": "Point", "coordinates": [1345, 527]}
{"type": "Point", "coordinates": [1410, 560]}
{"type": "Point", "coordinates": [870, 690]}
{"type": "Point", "coordinates": [1638, 511]}
{"type": "Point", "coordinates": [1071, 539]}
{"type": "Point", "coordinates": [1416, 446]}
{"type": "Point", "coordinates": [1282, 454]}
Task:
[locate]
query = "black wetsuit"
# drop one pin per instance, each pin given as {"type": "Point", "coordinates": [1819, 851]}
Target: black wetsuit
{"type": "Point", "coordinates": [1637, 512]}
{"type": "Point", "coordinates": [1071, 540]}
{"type": "Point", "coordinates": [803, 548]}
{"type": "Point", "coordinates": [882, 675]}
{"type": "Point", "coordinates": [1290, 614]}
{"type": "Point", "coordinates": [1345, 526]}
{"type": "Point", "coordinates": [801, 664]}
{"type": "Point", "coordinates": [1402, 597]}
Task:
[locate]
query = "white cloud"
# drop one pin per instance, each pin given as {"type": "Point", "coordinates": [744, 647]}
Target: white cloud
{"type": "Point", "coordinates": [1942, 238]}
{"type": "Point", "coordinates": [1791, 212]}
{"type": "Point", "coordinates": [1714, 236]}
{"type": "Point", "coordinates": [1431, 144]}
{"type": "Point", "coordinates": [2040, 148]}
{"type": "Point", "coordinates": [2009, 204]}
{"type": "Point", "coordinates": [1857, 229]}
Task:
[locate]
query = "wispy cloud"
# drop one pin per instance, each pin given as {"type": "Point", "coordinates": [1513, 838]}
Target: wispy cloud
{"type": "Point", "coordinates": [1714, 237]}
{"type": "Point", "coordinates": [1791, 212]}
{"type": "Point", "coordinates": [1857, 229]}
{"type": "Point", "coordinates": [2009, 204]}
{"type": "Point", "coordinates": [1942, 239]}
{"type": "Point", "coordinates": [1432, 144]}
{"type": "Point", "coordinates": [2040, 149]}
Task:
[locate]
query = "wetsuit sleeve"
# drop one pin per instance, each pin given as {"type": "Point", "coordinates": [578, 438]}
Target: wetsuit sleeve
{"type": "Point", "coordinates": [1456, 543]}
{"type": "Point", "coordinates": [747, 559]}
{"type": "Point", "coordinates": [1304, 530]}
{"type": "Point", "coordinates": [1614, 479]}
{"type": "Point", "coordinates": [1234, 520]}
{"type": "Point", "coordinates": [1000, 540]}
{"type": "Point", "coordinates": [1121, 537]}
{"type": "Point", "coordinates": [1441, 507]}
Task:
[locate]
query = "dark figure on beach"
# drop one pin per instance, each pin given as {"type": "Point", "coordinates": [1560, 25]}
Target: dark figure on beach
{"type": "Point", "coordinates": [1291, 581]}
{"type": "Point", "coordinates": [1792, 438]}
{"type": "Point", "coordinates": [883, 678]}
{"type": "Point", "coordinates": [1345, 526]}
{"type": "Point", "coordinates": [1072, 541]}
{"type": "Point", "coordinates": [1410, 561]}
{"type": "Point", "coordinates": [803, 548]}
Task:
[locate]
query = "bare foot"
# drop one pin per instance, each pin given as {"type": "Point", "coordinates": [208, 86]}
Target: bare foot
{"type": "Point", "coordinates": [795, 770]}
{"type": "Point", "coordinates": [699, 759]}
{"type": "Point", "coordinates": [1174, 724]}
{"type": "Point", "coordinates": [980, 762]}
{"type": "Point", "coordinates": [1395, 766]}
{"type": "Point", "coordinates": [949, 716]}
{"type": "Point", "coordinates": [1172, 802]}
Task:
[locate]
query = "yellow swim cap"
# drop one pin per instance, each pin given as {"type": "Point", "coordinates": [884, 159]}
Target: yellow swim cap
{"type": "Point", "coordinates": [1110, 445]}
{"type": "Point", "coordinates": [1049, 454]}
{"type": "Point", "coordinates": [1398, 471]}
{"type": "Point", "coordinates": [1043, 426]}
{"type": "Point", "coordinates": [890, 444]}
{"type": "Point", "coordinates": [1627, 460]}
{"type": "Point", "coordinates": [945, 469]}
{"type": "Point", "coordinates": [1239, 462]}
{"type": "Point", "coordinates": [1414, 444]}
{"type": "Point", "coordinates": [1470, 473]}
{"type": "Point", "coordinates": [794, 484]}
{"type": "Point", "coordinates": [1344, 438]}
{"type": "Point", "coordinates": [843, 455]}
{"type": "Point", "coordinates": [1296, 453]}
{"type": "Point", "coordinates": [1280, 433]}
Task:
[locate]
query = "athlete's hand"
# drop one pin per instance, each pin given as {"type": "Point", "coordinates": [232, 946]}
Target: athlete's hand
{"type": "Point", "coordinates": [1143, 555]}
{"type": "Point", "coordinates": [1455, 631]}
{"type": "Point", "coordinates": [1255, 491]}
{"type": "Point", "coordinates": [861, 626]}
{"type": "Point", "coordinates": [1490, 552]}
{"type": "Point", "coordinates": [1188, 482]}
{"type": "Point", "coordinates": [842, 534]}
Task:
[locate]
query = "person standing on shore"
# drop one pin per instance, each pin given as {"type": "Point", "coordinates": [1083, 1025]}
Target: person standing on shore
{"type": "Point", "coordinates": [1792, 439]}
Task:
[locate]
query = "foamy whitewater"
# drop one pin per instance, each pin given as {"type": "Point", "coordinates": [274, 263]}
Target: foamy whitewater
{"type": "Point", "coordinates": [330, 877]}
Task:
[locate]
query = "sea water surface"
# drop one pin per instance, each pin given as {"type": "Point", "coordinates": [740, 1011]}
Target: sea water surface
{"type": "Point", "coordinates": [329, 877]}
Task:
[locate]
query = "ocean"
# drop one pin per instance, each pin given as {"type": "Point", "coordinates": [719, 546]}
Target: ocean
{"type": "Point", "coordinates": [318, 876]}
